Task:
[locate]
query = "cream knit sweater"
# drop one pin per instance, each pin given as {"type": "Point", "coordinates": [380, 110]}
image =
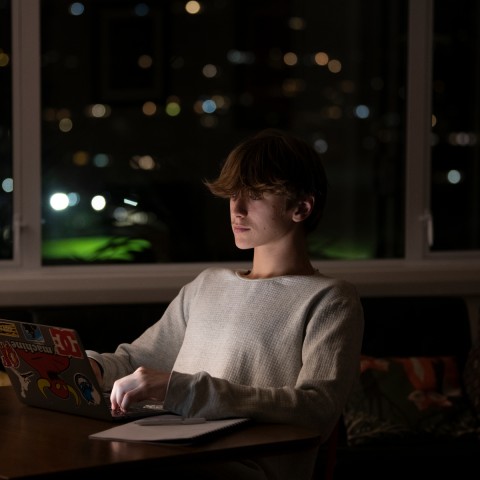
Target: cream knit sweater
{"type": "Point", "coordinates": [283, 349]}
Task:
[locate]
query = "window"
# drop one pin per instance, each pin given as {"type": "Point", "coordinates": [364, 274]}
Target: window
{"type": "Point", "coordinates": [121, 109]}
{"type": "Point", "coordinates": [6, 164]}
{"type": "Point", "coordinates": [148, 104]}
{"type": "Point", "coordinates": [455, 169]}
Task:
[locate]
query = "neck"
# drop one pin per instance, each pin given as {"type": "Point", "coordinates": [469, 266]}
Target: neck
{"type": "Point", "coordinates": [268, 263]}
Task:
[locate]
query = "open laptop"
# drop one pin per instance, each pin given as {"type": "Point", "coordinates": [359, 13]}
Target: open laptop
{"type": "Point", "coordinates": [48, 368]}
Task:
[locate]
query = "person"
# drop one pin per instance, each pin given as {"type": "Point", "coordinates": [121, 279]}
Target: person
{"type": "Point", "coordinates": [279, 342]}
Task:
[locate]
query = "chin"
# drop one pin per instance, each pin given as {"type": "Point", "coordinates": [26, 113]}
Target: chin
{"type": "Point", "coordinates": [243, 246]}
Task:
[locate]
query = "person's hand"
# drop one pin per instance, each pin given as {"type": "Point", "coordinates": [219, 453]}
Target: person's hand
{"type": "Point", "coordinates": [144, 383]}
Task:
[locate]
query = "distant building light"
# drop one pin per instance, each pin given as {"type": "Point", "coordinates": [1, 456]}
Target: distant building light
{"type": "Point", "coordinates": [192, 7]}
{"type": "Point", "coordinates": [101, 160]}
{"type": "Point", "coordinates": [80, 158]}
{"type": "Point", "coordinates": [59, 201]}
{"type": "Point", "coordinates": [98, 202]}
{"type": "Point", "coordinates": [7, 185]}
{"type": "Point", "coordinates": [321, 58]}
{"type": "Point", "coordinates": [209, 70]}
{"type": "Point", "coordinates": [362, 111]}
{"type": "Point", "coordinates": [239, 57]}
{"type": "Point", "coordinates": [99, 110]}
{"type": "Point", "coordinates": [462, 139]}
{"type": "Point", "coordinates": [73, 199]}
{"type": "Point", "coordinates": [172, 109]}
{"type": "Point", "coordinates": [4, 59]}
{"type": "Point", "coordinates": [145, 61]}
{"type": "Point", "coordinates": [77, 8]}
{"type": "Point", "coordinates": [454, 176]}
{"type": "Point", "coordinates": [290, 59]}
{"type": "Point", "coordinates": [146, 162]}
{"type": "Point", "coordinates": [209, 106]}
{"type": "Point", "coordinates": [335, 66]}
{"type": "Point", "coordinates": [141, 9]}
{"type": "Point", "coordinates": [120, 214]}
{"type": "Point", "coordinates": [296, 23]}
{"type": "Point", "coordinates": [320, 145]}
{"type": "Point", "coordinates": [65, 125]}
{"type": "Point", "coordinates": [149, 108]}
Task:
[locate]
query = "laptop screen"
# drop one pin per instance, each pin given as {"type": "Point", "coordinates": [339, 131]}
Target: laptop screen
{"type": "Point", "coordinates": [48, 368]}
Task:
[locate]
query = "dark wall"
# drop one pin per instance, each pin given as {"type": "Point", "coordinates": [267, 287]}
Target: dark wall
{"type": "Point", "coordinates": [394, 326]}
{"type": "Point", "coordinates": [101, 327]}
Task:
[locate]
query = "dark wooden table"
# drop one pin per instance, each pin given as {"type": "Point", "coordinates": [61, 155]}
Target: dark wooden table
{"type": "Point", "coordinates": [37, 443]}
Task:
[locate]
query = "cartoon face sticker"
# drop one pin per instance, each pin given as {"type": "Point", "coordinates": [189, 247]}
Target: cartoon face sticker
{"type": "Point", "coordinates": [87, 389]}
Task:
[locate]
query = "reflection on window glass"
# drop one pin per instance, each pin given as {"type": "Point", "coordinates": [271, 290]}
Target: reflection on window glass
{"type": "Point", "coordinates": [6, 167]}
{"type": "Point", "coordinates": [455, 200]}
{"type": "Point", "coordinates": [142, 101]}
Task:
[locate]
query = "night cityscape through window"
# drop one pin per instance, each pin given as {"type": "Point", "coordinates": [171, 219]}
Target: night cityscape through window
{"type": "Point", "coordinates": [142, 101]}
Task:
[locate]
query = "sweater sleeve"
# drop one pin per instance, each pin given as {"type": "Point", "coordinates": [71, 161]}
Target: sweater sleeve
{"type": "Point", "coordinates": [156, 348]}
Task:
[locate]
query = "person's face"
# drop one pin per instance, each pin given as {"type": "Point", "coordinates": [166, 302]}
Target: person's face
{"type": "Point", "coordinates": [260, 221]}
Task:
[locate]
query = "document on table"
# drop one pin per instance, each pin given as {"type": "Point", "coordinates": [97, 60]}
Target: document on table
{"type": "Point", "coordinates": [168, 429]}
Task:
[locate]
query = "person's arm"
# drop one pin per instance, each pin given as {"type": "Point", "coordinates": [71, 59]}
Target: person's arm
{"type": "Point", "coordinates": [156, 348]}
{"type": "Point", "coordinates": [97, 370]}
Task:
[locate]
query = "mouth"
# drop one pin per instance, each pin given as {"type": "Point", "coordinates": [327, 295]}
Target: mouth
{"type": "Point", "coordinates": [239, 228]}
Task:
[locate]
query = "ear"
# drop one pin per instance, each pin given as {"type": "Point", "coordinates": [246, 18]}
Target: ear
{"type": "Point", "coordinates": [303, 208]}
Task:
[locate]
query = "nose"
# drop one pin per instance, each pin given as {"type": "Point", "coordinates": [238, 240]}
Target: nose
{"type": "Point", "coordinates": [238, 206]}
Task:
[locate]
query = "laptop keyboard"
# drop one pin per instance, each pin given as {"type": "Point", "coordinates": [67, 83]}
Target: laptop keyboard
{"type": "Point", "coordinates": [140, 409]}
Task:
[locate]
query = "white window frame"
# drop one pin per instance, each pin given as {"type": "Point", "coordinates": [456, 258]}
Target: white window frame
{"type": "Point", "coordinates": [25, 282]}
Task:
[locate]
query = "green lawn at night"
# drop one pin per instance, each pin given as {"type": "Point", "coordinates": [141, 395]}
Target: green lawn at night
{"type": "Point", "coordinates": [94, 248]}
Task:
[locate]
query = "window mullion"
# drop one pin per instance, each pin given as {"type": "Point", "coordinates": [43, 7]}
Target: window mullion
{"type": "Point", "coordinates": [26, 132]}
{"type": "Point", "coordinates": [417, 211]}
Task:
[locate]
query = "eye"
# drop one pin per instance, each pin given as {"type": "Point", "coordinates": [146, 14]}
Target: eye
{"type": "Point", "coordinates": [255, 195]}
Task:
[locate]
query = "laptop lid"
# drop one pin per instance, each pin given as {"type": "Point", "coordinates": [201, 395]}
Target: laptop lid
{"type": "Point", "coordinates": [48, 368]}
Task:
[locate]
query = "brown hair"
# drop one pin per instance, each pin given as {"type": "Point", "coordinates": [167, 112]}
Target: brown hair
{"type": "Point", "coordinates": [273, 161]}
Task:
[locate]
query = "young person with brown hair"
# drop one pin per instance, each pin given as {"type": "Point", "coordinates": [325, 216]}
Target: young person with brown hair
{"type": "Point", "coordinates": [278, 342]}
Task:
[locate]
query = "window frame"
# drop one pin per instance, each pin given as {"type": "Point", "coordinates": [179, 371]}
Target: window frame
{"type": "Point", "coordinates": [25, 282]}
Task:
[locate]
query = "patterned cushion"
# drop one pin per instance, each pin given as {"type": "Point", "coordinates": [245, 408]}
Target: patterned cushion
{"type": "Point", "coordinates": [408, 397]}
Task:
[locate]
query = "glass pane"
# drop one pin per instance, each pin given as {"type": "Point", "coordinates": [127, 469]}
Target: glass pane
{"type": "Point", "coordinates": [142, 101]}
{"type": "Point", "coordinates": [455, 171]}
{"type": "Point", "coordinates": [6, 165]}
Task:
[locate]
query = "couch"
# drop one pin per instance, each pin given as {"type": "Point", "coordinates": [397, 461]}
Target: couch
{"type": "Point", "coordinates": [414, 413]}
